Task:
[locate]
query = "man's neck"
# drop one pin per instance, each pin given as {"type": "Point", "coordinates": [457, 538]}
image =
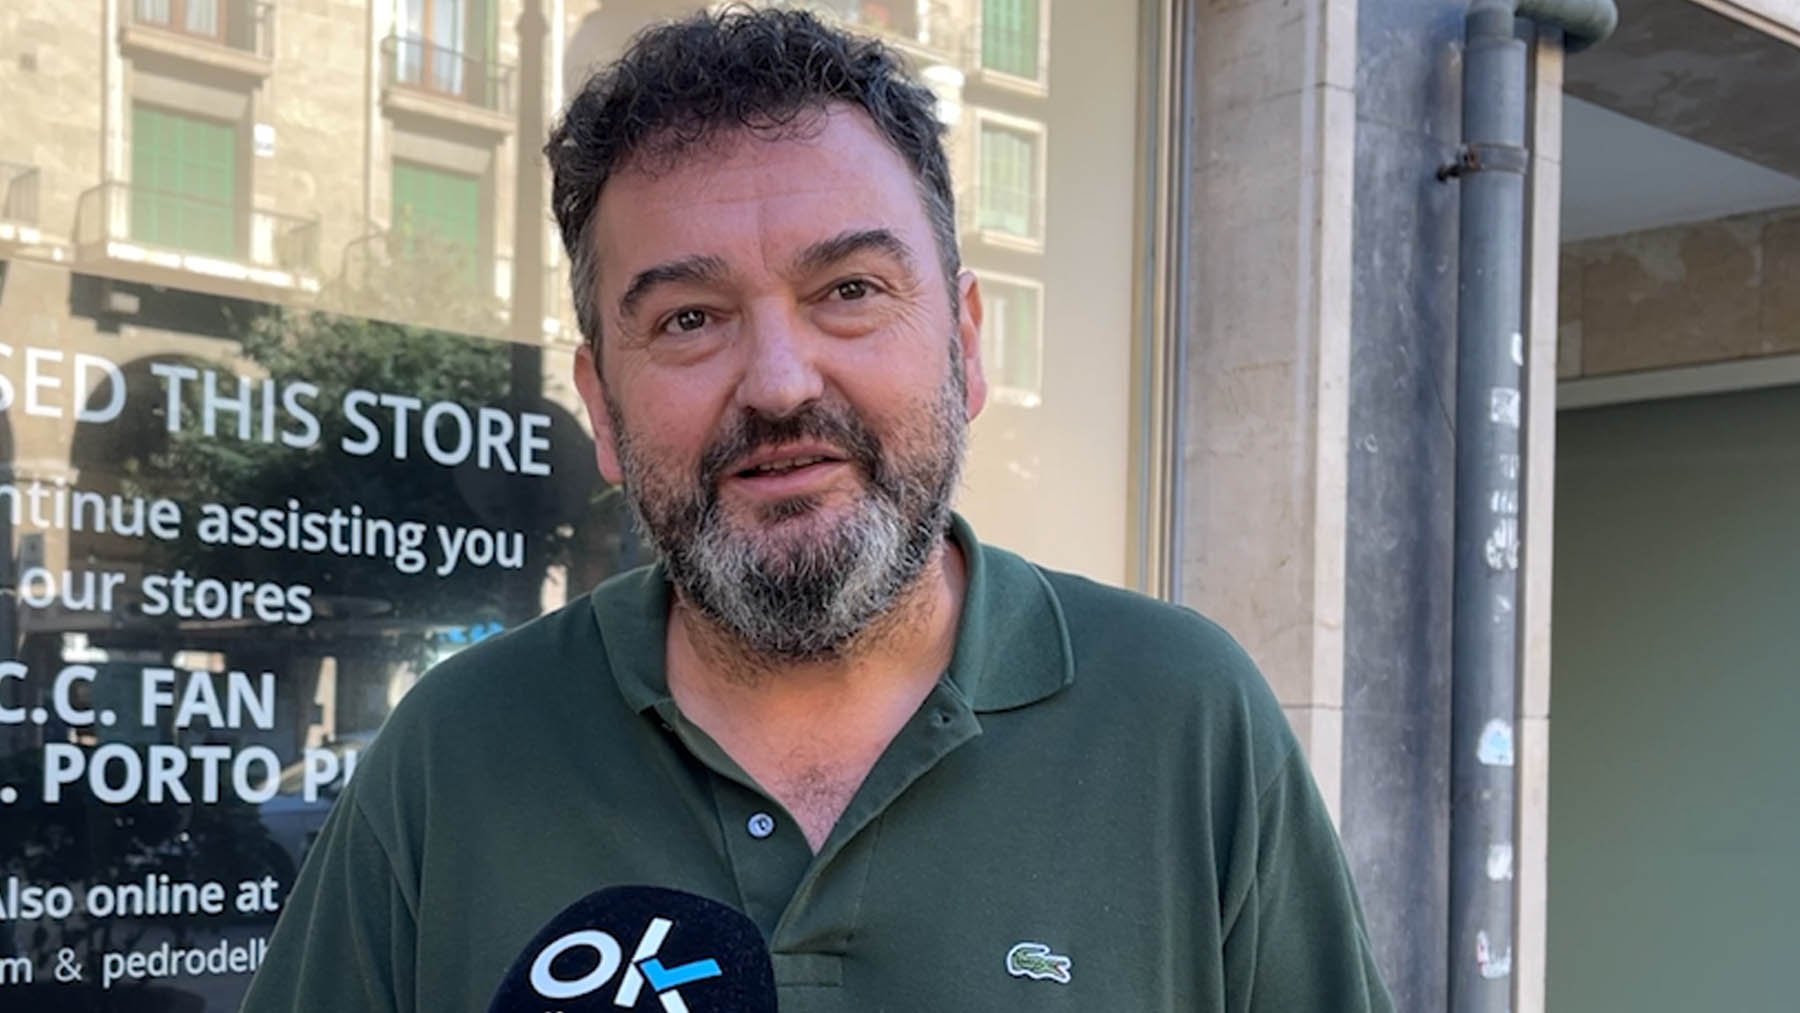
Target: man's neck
{"type": "Point", "coordinates": [916, 634]}
{"type": "Point", "coordinates": [810, 731]}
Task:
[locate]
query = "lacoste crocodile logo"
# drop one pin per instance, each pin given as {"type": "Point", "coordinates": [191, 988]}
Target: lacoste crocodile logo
{"type": "Point", "coordinates": [1035, 961]}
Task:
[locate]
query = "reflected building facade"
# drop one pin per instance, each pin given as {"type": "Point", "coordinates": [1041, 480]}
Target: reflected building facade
{"type": "Point", "coordinates": [276, 314]}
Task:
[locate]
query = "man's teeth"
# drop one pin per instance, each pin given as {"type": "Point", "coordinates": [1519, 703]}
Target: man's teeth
{"type": "Point", "coordinates": [776, 467]}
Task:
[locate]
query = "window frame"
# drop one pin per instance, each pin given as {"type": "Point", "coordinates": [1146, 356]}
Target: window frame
{"type": "Point", "coordinates": [1037, 231]}
{"type": "Point", "coordinates": [1032, 394]}
{"type": "Point", "coordinates": [464, 72]}
{"type": "Point", "coordinates": [177, 22]}
{"type": "Point", "coordinates": [1035, 85]}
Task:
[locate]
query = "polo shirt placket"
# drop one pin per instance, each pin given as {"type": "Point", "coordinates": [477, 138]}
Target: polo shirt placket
{"type": "Point", "coordinates": [806, 904]}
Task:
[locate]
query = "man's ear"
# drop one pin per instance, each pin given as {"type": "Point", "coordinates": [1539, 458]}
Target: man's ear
{"type": "Point", "coordinates": [593, 394]}
{"type": "Point", "coordinates": [968, 336]}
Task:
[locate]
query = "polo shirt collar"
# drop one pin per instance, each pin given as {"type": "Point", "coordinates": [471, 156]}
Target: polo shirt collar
{"type": "Point", "coordinates": [1012, 643]}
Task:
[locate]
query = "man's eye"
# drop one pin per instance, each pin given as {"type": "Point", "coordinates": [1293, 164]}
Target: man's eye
{"type": "Point", "coordinates": [686, 320]}
{"type": "Point", "coordinates": [854, 288]}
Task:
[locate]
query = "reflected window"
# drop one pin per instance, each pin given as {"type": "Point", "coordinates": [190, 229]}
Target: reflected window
{"type": "Point", "coordinates": [194, 17]}
{"type": "Point", "coordinates": [244, 291]}
{"type": "Point", "coordinates": [1011, 156]}
{"type": "Point", "coordinates": [1012, 342]}
{"type": "Point", "coordinates": [437, 215]}
{"type": "Point", "coordinates": [183, 181]}
{"type": "Point", "coordinates": [444, 47]}
{"type": "Point", "coordinates": [1010, 37]}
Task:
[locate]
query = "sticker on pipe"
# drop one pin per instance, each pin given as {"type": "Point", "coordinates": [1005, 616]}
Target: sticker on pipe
{"type": "Point", "coordinates": [1503, 406]}
{"type": "Point", "coordinates": [1496, 746]}
{"type": "Point", "coordinates": [1493, 966]}
{"type": "Point", "coordinates": [1500, 862]}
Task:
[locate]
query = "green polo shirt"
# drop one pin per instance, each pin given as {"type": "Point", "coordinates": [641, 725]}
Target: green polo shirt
{"type": "Point", "coordinates": [1099, 773]}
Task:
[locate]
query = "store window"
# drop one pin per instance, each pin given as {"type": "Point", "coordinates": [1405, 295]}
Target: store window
{"type": "Point", "coordinates": [183, 181]}
{"type": "Point", "coordinates": [283, 435]}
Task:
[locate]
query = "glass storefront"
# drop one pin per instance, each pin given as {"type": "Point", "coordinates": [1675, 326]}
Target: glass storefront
{"type": "Point", "coordinates": [288, 416]}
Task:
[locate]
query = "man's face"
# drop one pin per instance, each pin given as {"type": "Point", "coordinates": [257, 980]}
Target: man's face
{"type": "Point", "coordinates": [786, 387]}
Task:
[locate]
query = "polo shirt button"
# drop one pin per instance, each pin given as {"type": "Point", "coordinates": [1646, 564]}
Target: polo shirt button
{"type": "Point", "coordinates": [761, 825]}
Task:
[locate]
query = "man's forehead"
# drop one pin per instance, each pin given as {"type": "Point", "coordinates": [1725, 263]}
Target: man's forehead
{"type": "Point", "coordinates": [831, 162]}
{"type": "Point", "coordinates": [680, 146]}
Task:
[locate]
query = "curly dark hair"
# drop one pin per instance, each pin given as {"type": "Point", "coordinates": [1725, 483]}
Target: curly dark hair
{"type": "Point", "coordinates": [769, 71]}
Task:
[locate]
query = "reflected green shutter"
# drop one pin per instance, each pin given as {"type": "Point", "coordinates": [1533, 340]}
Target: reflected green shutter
{"type": "Point", "coordinates": [438, 209]}
{"type": "Point", "coordinates": [1008, 174]}
{"type": "Point", "coordinates": [1009, 36]}
{"type": "Point", "coordinates": [184, 181]}
{"type": "Point", "coordinates": [1022, 346]}
{"type": "Point", "coordinates": [1012, 343]}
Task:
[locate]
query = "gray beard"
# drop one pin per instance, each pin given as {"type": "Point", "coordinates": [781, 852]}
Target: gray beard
{"type": "Point", "coordinates": [813, 601]}
{"type": "Point", "coordinates": [811, 598]}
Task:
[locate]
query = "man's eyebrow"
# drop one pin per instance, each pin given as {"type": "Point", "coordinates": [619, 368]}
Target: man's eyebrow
{"type": "Point", "coordinates": [827, 252]}
{"type": "Point", "coordinates": [699, 268]}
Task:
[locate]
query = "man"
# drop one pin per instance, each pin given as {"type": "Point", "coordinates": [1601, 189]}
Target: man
{"type": "Point", "coordinates": [935, 776]}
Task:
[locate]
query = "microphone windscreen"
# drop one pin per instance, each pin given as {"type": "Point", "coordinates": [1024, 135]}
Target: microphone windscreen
{"type": "Point", "coordinates": [641, 948]}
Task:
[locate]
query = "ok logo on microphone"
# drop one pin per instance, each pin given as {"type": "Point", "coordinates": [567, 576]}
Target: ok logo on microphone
{"type": "Point", "coordinates": [644, 968]}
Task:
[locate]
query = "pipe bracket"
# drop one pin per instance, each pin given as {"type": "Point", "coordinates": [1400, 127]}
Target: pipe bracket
{"type": "Point", "coordinates": [1483, 157]}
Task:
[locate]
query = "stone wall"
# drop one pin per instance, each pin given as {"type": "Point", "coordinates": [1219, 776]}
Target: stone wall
{"type": "Point", "coordinates": [1272, 145]}
{"type": "Point", "coordinates": [1688, 295]}
{"type": "Point", "coordinates": [317, 99]}
{"type": "Point", "coordinates": [50, 75]}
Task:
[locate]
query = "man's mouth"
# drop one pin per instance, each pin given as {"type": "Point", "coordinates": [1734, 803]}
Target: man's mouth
{"type": "Point", "coordinates": [786, 475]}
{"type": "Point", "coordinates": [789, 460]}
{"type": "Point", "coordinates": [783, 465]}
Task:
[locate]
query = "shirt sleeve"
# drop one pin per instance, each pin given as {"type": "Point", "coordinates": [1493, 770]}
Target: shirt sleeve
{"type": "Point", "coordinates": [1299, 941]}
{"type": "Point", "coordinates": [345, 939]}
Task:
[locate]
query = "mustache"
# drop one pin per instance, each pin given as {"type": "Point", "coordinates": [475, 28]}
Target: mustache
{"type": "Point", "coordinates": [836, 425]}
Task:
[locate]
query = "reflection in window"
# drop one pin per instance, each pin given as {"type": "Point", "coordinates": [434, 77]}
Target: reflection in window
{"type": "Point", "coordinates": [184, 181]}
{"type": "Point", "coordinates": [1009, 174]}
{"type": "Point", "coordinates": [195, 17]}
{"type": "Point", "coordinates": [1009, 37]}
{"type": "Point", "coordinates": [437, 213]}
{"type": "Point", "coordinates": [445, 45]}
{"type": "Point", "coordinates": [1012, 341]}
{"type": "Point", "coordinates": [167, 243]}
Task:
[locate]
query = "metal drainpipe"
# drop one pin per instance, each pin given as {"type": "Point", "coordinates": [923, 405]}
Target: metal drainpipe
{"type": "Point", "coordinates": [1489, 409]}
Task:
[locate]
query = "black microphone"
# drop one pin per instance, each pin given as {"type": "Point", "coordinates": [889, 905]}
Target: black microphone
{"type": "Point", "coordinates": [641, 948]}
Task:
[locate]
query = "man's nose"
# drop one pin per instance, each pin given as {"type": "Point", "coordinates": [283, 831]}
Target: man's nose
{"type": "Point", "coordinates": [780, 375]}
